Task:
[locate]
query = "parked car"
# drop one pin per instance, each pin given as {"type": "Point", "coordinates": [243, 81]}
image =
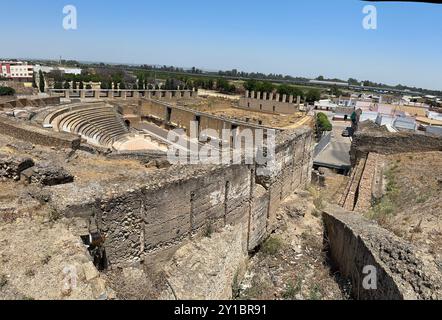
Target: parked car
{"type": "Point", "coordinates": [346, 133]}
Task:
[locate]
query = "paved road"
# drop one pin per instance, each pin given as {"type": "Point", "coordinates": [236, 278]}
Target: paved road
{"type": "Point", "coordinates": [337, 153]}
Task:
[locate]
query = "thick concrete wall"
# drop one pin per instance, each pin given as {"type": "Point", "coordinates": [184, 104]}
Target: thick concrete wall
{"type": "Point", "coordinates": [37, 135]}
{"type": "Point", "coordinates": [402, 272]}
{"type": "Point", "coordinates": [269, 103]}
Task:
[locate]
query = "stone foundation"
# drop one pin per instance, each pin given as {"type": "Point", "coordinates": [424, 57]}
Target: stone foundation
{"type": "Point", "coordinates": [402, 270]}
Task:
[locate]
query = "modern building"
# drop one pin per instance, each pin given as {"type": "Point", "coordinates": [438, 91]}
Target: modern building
{"type": "Point", "coordinates": [45, 69]}
{"type": "Point", "coordinates": [325, 104]}
{"type": "Point", "coordinates": [383, 120]}
{"type": "Point", "coordinates": [405, 124]}
{"type": "Point", "coordinates": [16, 70]}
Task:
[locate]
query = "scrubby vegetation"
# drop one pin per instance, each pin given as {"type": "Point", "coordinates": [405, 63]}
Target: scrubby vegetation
{"type": "Point", "coordinates": [386, 207]}
{"type": "Point", "coordinates": [322, 123]}
{"type": "Point", "coordinates": [6, 91]}
{"type": "Point", "coordinates": [271, 246]}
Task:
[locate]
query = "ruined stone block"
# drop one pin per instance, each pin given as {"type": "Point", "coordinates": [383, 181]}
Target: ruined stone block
{"type": "Point", "coordinates": [12, 166]}
{"type": "Point", "coordinates": [47, 174]}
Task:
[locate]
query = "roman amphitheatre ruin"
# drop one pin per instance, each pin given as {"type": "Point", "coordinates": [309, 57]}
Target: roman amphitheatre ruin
{"type": "Point", "coordinates": [91, 208]}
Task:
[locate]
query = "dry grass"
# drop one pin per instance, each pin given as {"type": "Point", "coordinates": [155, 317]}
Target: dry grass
{"type": "Point", "coordinates": [411, 207]}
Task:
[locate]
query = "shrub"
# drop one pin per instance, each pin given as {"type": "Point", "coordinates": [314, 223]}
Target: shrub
{"type": "Point", "coordinates": [292, 290]}
{"type": "Point", "coordinates": [323, 123]}
{"type": "Point", "coordinates": [271, 246]}
{"type": "Point", "coordinates": [6, 91]}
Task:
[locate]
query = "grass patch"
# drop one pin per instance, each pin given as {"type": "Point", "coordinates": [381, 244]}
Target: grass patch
{"type": "Point", "coordinates": [271, 246]}
{"type": "Point", "coordinates": [422, 199]}
{"type": "Point", "coordinates": [256, 291]}
{"type": "Point", "coordinates": [318, 199]}
{"type": "Point", "coordinates": [292, 290]}
{"type": "Point", "coordinates": [208, 231]}
{"type": "Point", "coordinates": [315, 293]}
{"type": "Point", "coordinates": [386, 207]}
{"type": "Point", "coordinates": [236, 287]}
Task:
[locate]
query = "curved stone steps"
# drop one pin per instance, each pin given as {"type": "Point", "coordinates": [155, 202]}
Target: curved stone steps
{"type": "Point", "coordinates": [97, 124]}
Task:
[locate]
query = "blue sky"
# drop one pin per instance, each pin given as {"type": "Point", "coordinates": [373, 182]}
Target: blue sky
{"type": "Point", "coordinates": [300, 38]}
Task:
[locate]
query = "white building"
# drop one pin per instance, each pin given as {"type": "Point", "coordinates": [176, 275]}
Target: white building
{"type": "Point", "coordinates": [76, 71]}
{"type": "Point", "coordinates": [326, 104]}
{"type": "Point", "coordinates": [16, 70]}
{"type": "Point", "coordinates": [383, 119]}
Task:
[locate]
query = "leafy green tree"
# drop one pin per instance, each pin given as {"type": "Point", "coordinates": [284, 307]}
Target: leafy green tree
{"type": "Point", "coordinates": [88, 86]}
{"type": "Point", "coordinates": [58, 85]}
{"type": "Point", "coordinates": [42, 81]}
{"type": "Point", "coordinates": [122, 85]}
{"type": "Point", "coordinates": [6, 91]}
{"type": "Point", "coordinates": [353, 82]}
{"type": "Point", "coordinates": [67, 85]}
{"type": "Point", "coordinates": [313, 95]}
{"type": "Point", "coordinates": [74, 84]}
{"type": "Point", "coordinates": [81, 86]}
{"type": "Point", "coordinates": [141, 81]}
{"type": "Point", "coordinates": [335, 91]}
{"type": "Point", "coordinates": [265, 87]}
{"type": "Point", "coordinates": [34, 83]}
{"type": "Point", "coordinates": [323, 123]}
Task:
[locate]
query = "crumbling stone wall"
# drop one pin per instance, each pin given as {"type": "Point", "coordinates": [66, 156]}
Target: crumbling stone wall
{"type": "Point", "coordinates": [37, 102]}
{"type": "Point", "coordinates": [149, 220]}
{"type": "Point", "coordinates": [46, 174]}
{"type": "Point", "coordinates": [177, 116]}
{"type": "Point", "coordinates": [367, 141]}
{"type": "Point", "coordinates": [36, 135]}
{"type": "Point", "coordinates": [402, 271]}
{"type": "Point", "coordinates": [12, 166]}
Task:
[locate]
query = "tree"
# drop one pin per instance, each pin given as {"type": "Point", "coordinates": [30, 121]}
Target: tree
{"type": "Point", "coordinates": [141, 81]}
{"type": "Point", "coordinates": [6, 91]}
{"type": "Point", "coordinates": [81, 86]}
{"type": "Point", "coordinates": [289, 90]}
{"type": "Point", "coordinates": [34, 83]}
{"type": "Point", "coordinates": [58, 85]}
{"type": "Point", "coordinates": [354, 82]}
{"type": "Point", "coordinates": [74, 84]}
{"type": "Point", "coordinates": [88, 86]}
{"type": "Point", "coordinates": [67, 85]}
{"type": "Point", "coordinates": [122, 85]}
{"type": "Point", "coordinates": [42, 81]}
{"type": "Point", "coordinates": [322, 123]}
{"type": "Point", "coordinates": [313, 95]}
{"type": "Point", "coordinates": [335, 91]}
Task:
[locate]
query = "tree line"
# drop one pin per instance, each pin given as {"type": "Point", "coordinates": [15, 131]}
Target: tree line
{"type": "Point", "coordinates": [310, 95]}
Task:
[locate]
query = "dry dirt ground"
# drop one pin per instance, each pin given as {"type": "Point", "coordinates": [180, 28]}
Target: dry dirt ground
{"type": "Point", "coordinates": [291, 264]}
{"type": "Point", "coordinates": [41, 259]}
{"type": "Point", "coordinates": [226, 108]}
{"type": "Point", "coordinates": [412, 207]}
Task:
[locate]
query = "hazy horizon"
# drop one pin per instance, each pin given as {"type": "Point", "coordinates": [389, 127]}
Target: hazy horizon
{"type": "Point", "coordinates": [302, 39]}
